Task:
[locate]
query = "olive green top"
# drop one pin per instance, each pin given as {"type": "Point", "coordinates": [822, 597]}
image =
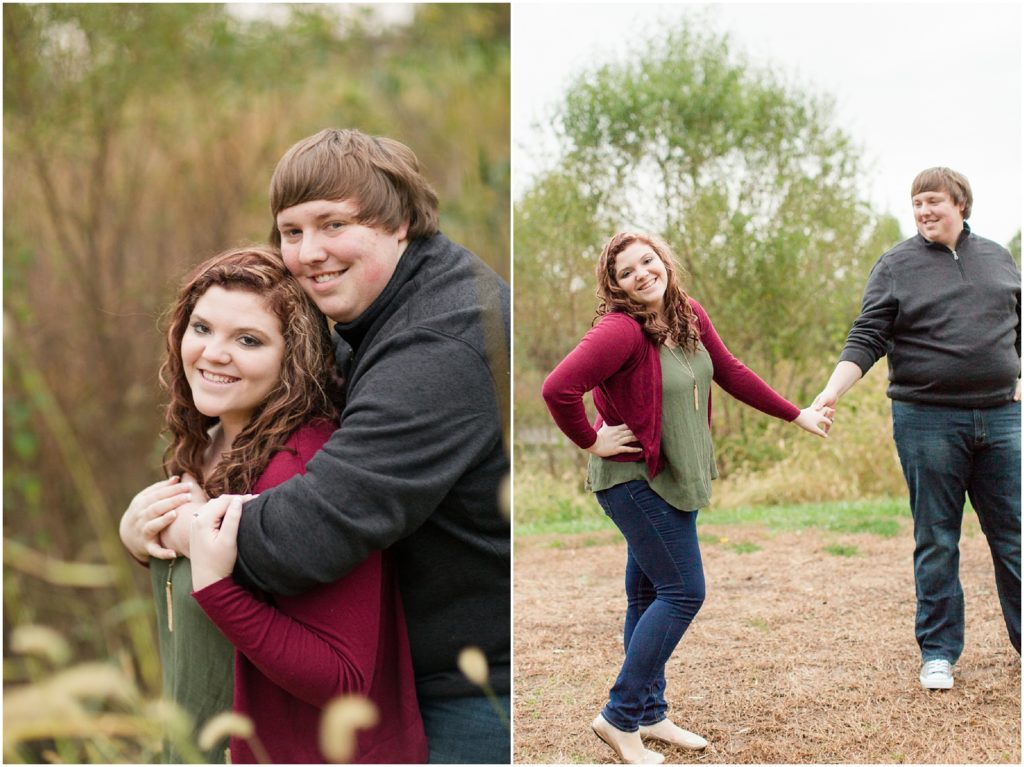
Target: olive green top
{"type": "Point", "coordinates": [685, 481]}
{"type": "Point", "coordinates": [197, 662]}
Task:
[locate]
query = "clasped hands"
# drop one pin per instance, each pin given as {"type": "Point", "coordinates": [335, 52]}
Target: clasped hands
{"type": "Point", "coordinates": [174, 517]}
{"type": "Point", "coordinates": [818, 418]}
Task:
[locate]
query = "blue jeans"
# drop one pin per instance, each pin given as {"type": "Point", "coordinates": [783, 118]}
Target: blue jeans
{"type": "Point", "coordinates": [466, 730]}
{"type": "Point", "coordinates": [947, 453]}
{"type": "Point", "coordinates": [664, 591]}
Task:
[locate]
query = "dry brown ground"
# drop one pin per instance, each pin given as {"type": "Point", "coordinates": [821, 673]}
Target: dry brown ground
{"type": "Point", "coordinates": [798, 655]}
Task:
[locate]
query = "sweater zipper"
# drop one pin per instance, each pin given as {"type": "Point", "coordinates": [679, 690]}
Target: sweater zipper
{"type": "Point", "coordinates": [960, 266]}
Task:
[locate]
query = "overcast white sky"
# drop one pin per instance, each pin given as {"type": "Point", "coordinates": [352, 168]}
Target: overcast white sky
{"type": "Point", "coordinates": [915, 84]}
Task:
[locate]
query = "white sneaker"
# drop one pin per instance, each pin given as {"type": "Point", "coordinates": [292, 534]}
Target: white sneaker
{"type": "Point", "coordinates": [937, 675]}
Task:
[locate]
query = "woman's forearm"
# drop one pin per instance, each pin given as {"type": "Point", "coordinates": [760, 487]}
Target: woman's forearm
{"type": "Point", "coordinates": [313, 661]}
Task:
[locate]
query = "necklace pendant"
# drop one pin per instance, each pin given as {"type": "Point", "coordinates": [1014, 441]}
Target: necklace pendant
{"type": "Point", "coordinates": [696, 397]}
{"type": "Point", "coordinates": [169, 592]}
{"type": "Point", "coordinates": [170, 609]}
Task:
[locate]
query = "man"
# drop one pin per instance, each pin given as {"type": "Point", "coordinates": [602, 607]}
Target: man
{"type": "Point", "coordinates": [423, 329]}
{"type": "Point", "coordinates": [944, 306]}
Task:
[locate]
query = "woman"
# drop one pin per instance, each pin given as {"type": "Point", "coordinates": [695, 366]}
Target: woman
{"type": "Point", "coordinates": [249, 370]}
{"type": "Point", "coordinates": [650, 359]}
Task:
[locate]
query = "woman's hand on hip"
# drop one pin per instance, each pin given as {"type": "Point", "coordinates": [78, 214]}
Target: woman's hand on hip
{"type": "Point", "coordinates": [613, 440]}
{"type": "Point", "coordinates": [816, 420]}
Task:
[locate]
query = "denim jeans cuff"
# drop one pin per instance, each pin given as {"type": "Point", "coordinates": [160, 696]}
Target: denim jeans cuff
{"type": "Point", "coordinates": [610, 717]}
{"type": "Point", "coordinates": [933, 656]}
{"type": "Point", "coordinates": [652, 723]}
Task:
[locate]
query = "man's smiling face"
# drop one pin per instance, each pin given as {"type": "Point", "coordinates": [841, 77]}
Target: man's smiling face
{"type": "Point", "coordinates": [341, 264]}
{"type": "Point", "coordinates": [938, 218]}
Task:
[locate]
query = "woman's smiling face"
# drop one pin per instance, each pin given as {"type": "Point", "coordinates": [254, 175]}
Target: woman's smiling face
{"type": "Point", "coordinates": [232, 352]}
{"type": "Point", "coordinates": [640, 272]}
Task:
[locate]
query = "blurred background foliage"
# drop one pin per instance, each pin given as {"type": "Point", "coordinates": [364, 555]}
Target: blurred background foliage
{"type": "Point", "coordinates": [758, 191]}
{"type": "Point", "coordinates": [138, 140]}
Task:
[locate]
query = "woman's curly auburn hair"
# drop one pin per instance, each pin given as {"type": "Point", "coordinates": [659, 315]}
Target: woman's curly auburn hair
{"type": "Point", "coordinates": [308, 388]}
{"type": "Point", "coordinates": [676, 321]}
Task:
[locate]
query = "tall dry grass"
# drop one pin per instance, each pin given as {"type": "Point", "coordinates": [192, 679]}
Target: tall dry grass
{"type": "Point", "coordinates": [62, 712]}
{"type": "Point", "coordinates": [58, 711]}
{"type": "Point", "coordinates": [858, 461]}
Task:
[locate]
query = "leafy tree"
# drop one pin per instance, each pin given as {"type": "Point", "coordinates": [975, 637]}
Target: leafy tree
{"type": "Point", "coordinates": [748, 180]}
{"type": "Point", "coordinates": [556, 253]}
{"type": "Point", "coordinates": [1014, 247]}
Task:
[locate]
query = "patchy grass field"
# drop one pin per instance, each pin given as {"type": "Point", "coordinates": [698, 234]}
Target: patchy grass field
{"type": "Point", "coordinates": [804, 651]}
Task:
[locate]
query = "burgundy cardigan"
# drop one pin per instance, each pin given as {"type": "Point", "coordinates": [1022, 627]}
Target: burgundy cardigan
{"type": "Point", "coordinates": [621, 364]}
{"type": "Point", "coordinates": [294, 654]}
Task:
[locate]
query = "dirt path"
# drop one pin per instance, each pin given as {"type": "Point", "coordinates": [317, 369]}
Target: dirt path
{"type": "Point", "coordinates": [797, 656]}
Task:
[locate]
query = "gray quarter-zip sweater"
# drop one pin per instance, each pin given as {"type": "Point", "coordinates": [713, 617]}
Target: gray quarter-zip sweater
{"type": "Point", "coordinates": [416, 467]}
{"type": "Point", "coordinates": [948, 320]}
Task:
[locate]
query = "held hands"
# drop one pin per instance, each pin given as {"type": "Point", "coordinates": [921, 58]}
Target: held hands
{"type": "Point", "coordinates": [821, 411]}
{"type": "Point", "coordinates": [212, 539]}
{"type": "Point", "coordinates": [612, 440]}
{"type": "Point", "coordinates": [149, 513]}
{"type": "Point", "coordinates": [1016, 392]}
{"type": "Point", "coordinates": [816, 419]}
{"type": "Point", "coordinates": [828, 398]}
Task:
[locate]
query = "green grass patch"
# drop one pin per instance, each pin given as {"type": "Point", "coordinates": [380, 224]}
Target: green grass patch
{"type": "Point", "coordinates": [841, 550]}
{"type": "Point", "coordinates": [568, 521]}
{"type": "Point", "coordinates": [586, 543]}
{"type": "Point", "coordinates": [745, 547]}
{"type": "Point", "coordinates": [548, 505]}
{"type": "Point", "coordinates": [579, 513]}
{"type": "Point", "coordinates": [884, 517]}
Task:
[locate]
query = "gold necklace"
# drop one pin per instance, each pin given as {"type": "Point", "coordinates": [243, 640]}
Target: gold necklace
{"type": "Point", "coordinates": [686, 362]}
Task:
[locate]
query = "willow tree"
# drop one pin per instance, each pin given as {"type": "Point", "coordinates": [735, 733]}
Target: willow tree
{"type": "Point", "coordinates": [747, 177]}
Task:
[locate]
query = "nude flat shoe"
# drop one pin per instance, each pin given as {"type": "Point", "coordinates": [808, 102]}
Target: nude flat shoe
{"type": "Point", "coordinates": [626, 745]}
{"type": "Point", "coordinates": [671, 733]}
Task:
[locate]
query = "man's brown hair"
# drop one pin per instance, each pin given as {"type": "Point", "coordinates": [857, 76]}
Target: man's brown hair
{"type": "Point", "coordinates": [379, 175]}
{"type": "Point", "coordinates": [941, 179]}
